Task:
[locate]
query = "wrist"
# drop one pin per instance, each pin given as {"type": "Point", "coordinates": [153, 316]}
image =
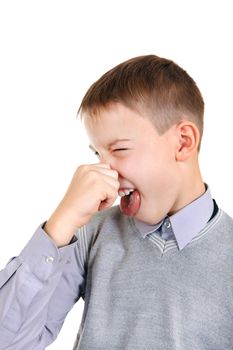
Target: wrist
{"type": "Point", "coordinates": [61, 233]}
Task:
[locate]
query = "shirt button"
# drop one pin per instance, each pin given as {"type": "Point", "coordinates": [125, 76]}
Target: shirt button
{"type": "Point", "coordinates": [167, 224]}
{"type": "Point", "coordinates": [49, 259]}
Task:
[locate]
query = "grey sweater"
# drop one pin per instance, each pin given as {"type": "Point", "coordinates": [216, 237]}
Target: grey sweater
{"type": "Point", "coordinates": [138, 296]}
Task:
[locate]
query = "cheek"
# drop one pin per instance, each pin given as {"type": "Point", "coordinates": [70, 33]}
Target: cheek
{"type": "Point", "coordinates": [155, 176]}
{"type": "Point", "coordinates": [127, 168]}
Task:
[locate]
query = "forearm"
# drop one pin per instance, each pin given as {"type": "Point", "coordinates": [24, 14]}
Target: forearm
{"type": "Point", "coordinates": [22, 318]}
{"type": "Point", "coordinates": [27, 285]}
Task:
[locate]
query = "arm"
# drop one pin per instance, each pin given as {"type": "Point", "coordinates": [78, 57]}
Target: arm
{"type": "Point", "coordinates": [37, 290]}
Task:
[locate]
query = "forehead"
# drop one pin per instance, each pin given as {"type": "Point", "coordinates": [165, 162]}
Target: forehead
{"type": "Point", "coordinates": [117, 118]}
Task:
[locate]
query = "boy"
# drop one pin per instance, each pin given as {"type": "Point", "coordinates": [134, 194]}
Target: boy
{"type": "Point", "coordinates": [156, 271]}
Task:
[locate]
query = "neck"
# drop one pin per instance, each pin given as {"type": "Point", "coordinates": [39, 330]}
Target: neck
{"type": "Point", "coordinates": [192, 187]}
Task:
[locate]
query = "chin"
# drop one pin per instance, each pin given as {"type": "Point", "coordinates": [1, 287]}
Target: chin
{"type": "Point", "coordinates": [141, 217]}
{"type": "Point", "coordinates": [151, 219]}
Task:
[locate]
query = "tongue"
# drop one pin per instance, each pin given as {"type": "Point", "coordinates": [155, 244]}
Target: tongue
{"type": "Point", "coordinates": [130, 204]}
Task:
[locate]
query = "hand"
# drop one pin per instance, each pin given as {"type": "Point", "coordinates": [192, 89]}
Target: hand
{"type": "Point", "coordinates": [93, 188]}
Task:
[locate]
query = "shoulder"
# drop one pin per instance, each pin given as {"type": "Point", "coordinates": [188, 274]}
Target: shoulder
{"type": "Point", "coordinates": [226, 219]}
{"type": "Point", "coordinates": [224, 227]}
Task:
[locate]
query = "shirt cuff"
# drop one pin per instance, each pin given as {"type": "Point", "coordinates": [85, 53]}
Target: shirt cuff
{"type": "Point", "coordinates": [43, 257]}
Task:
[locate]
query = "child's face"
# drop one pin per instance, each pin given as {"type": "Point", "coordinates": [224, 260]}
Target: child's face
{"type": "Point", "coordinates": [144, 160]}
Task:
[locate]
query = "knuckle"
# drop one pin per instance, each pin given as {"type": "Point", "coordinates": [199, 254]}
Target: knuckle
{"type": "Point", "coordinates": [92, 176]}
{"type": "Point", "coordinates": [115, 173]}
{"type": "Point", "coordinates": [83, 168]}
{"type": "Point", "coordinates": [104, 165]}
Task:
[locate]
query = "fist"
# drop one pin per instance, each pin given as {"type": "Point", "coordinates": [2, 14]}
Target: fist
{"type": "Point", "coordinates": [93, 188]}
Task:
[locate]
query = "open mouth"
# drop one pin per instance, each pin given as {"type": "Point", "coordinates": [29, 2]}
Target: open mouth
{"type": "Point", "coordinates": [130, 201]}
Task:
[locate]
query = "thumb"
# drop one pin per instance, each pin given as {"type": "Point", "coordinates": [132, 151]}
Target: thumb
{"type": "Point", "coordinates": [107, 203]}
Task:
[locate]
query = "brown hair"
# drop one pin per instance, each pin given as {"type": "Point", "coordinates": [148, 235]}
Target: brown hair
{"type": "Point", "coordinates": [152, 85]}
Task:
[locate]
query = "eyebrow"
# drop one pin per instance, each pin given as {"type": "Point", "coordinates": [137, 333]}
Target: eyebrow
{"type": "Point", "coordinates": [110, 144]}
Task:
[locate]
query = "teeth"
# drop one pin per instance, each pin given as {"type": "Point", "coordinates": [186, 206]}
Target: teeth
{"type": "Point", "coordinates": [121, 193]}
{"type": "Point", "coordinates": [125, 192]}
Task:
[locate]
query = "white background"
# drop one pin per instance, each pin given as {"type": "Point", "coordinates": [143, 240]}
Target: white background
{"type": "Point", "coordinates": [51, 51]}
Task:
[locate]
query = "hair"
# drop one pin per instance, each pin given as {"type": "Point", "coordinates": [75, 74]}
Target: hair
{"type": "Point", "coordinates": [153, 86]}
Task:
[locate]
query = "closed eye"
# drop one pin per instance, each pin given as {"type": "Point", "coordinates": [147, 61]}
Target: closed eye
{"type": "Point", "coordinates": [114, 150]}
{"type": "Point", "coordinates": [120, 149]}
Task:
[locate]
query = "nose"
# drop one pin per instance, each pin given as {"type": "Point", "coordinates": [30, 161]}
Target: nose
{"type": "Point", "coordinates": [107, 159]}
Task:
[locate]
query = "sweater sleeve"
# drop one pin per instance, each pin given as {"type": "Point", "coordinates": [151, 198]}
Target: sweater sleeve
{"type": "Point", "coordinates": [37, 290]}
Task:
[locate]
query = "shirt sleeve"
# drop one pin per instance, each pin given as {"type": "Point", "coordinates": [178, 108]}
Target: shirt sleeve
{"type": "Point", "coordinates": [37, 290]}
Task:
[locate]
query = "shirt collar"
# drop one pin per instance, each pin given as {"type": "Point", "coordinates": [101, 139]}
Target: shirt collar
{"type": "Point", "coordinates": [187, 222]}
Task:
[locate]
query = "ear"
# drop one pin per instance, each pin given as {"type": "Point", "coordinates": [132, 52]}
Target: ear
{"type": "Point", "coordinates": [188, 137]}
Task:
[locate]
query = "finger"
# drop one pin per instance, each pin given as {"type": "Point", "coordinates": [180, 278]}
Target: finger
{"type": "Point", "coordinates": [102, 165]}
{"type": "Point", "coordinates": [105, 171]}
{"type": "Point", "coordinates": [109, 200]}
{"type": "Point", "coordinates": [111, 181]}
